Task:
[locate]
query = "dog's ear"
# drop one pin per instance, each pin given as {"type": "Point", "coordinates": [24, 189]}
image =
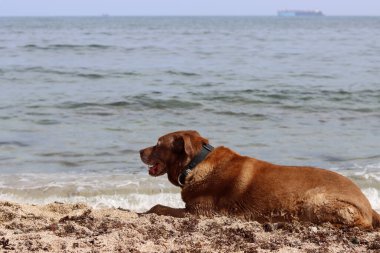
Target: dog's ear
{"type": "Point", "coordinates": [183, 143]}
{"type": "Point", "coordinates": [189, 144]}
{"type": "Point", "coordinates": [178, 144]}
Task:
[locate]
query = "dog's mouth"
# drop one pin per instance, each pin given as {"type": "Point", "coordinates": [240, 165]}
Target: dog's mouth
{"type": "Point", "coordinates": [156, 170]}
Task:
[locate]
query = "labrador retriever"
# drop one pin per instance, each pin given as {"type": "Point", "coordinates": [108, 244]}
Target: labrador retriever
{"type": "Point", "coordinates": [220, 181]}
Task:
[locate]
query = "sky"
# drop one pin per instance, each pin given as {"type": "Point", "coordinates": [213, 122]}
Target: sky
{"type": "Point", "coordinates": [182, 7]}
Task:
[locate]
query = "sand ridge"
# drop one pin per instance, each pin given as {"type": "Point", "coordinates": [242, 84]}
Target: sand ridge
{"type": "Point", "coordinates": [59, 227]}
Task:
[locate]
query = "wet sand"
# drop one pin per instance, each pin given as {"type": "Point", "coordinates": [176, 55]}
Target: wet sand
{"type": "Point", "coordinates": [61, 227]}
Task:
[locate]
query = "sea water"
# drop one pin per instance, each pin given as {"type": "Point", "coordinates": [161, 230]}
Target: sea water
{"type": "Point", "coordinates": [80, 96]}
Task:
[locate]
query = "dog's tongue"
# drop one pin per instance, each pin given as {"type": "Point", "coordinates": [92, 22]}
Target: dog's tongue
{"type": "Point", "coordinates": [153, 169]}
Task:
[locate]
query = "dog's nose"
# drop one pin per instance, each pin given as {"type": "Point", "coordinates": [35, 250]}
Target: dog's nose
{"type": "Point", "coordinates": [141, 152]}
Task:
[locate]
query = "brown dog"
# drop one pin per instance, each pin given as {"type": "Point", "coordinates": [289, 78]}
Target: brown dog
{"type": "Point", "coordinates": [220, 181]}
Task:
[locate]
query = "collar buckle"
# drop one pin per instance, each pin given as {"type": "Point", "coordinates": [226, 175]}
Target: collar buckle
{"type": "Point", "coordinates": [206, 149]}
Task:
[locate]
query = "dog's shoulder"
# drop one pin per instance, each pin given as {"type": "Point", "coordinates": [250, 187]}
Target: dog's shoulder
{"type": "Point", "coordinates": [222, 168]}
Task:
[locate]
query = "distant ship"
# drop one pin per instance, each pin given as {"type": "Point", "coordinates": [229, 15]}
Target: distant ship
{"type": "Point", "coordinates": [300, 13]}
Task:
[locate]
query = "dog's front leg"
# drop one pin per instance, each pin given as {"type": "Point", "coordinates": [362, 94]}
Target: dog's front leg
{"type": "Point", "coordinates": [168, 211]}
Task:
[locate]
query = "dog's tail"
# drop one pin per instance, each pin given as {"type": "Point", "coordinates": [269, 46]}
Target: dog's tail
{"type": "Point", "coordinates": [375, 219]}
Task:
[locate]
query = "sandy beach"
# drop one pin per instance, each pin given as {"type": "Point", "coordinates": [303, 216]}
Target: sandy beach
{"type": "Point", "coordinates": [82, 95]}
{"type": "Point", "coordinates": [59, 227]}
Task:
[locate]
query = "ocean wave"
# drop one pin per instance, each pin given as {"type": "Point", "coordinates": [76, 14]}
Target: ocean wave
{"type": "Point", "coordinates": [47, 122]}
{"type": "Point", "coordinates": [134, 192]}
{"type": "Point", "coordinates": [293, 91]}
{"type": "Point", "coordinates": [133, 202]}
{"type": "Point", "coordinates": [91, 75]}
{"type": "Point", "coordinates": [233, 98]}
{"type": "Point", "coordinates": [373, 196]}
{"type": "Point", "coordinates": [253, 116]}
{"type": "Point", "coordinates": [137, 103]}
{"type": "Point", "coordinates": [155, 49]}
{"type": "Point", "coordinates": [369, 173]}
{"type": "Point", "coordinates": [313, 76]}
{"type": "Point", "coordinates": [359, 102]}
{"type": "Point", "coordinates": [81, 73]}
{"type": "Point", "coordinates": [13, 143]}
{"type": "Point", "coordinates": [85, 188]}
{"type": "Point", "coordinates": [93, 182]}
{"type": "Point", "coordinates": [172, 103]}
{"type": "Point", "coordinates": [367, 177]}
{"type": "Point", "coordinates": [66, 46]}
{"type": "Point", "coordinates": [181, 73]}
{"type": "Point", "coordinates": [62, 154]}
{"type": "Point", "coordinates": [92, 47]}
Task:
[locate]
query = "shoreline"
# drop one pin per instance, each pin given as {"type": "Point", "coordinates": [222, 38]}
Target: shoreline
{"type": "Point", "coordinates": [59, 227]}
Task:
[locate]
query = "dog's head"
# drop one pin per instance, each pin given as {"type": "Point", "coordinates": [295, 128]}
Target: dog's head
{"type": "Point", "coordinates": [172, 153]}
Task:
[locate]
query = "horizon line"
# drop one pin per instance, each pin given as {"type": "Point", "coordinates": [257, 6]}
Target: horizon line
{"type": "Point", "coordinates": [174, 15]}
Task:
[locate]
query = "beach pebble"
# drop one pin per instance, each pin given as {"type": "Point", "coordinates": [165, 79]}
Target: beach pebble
{"type": "Point", "coordinates": [314, 229]}
{"type": "Point", "coordinates": [268, 227]}
{"type": "Point", "coordinates": [355, 240]}
{"type": "Point", "coordinates": [17, 231]}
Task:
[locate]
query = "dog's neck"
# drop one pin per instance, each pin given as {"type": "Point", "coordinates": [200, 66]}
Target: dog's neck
{"type": "Point", "coordinates": [206, 149]}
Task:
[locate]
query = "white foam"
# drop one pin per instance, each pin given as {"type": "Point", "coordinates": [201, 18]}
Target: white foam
{"type": "Point", "coordinates": [373, 196]}
{"type": "Point", "coordinates": [134, 192]}
{"type": "Point", "coordinates": [133, 202]}
{"type": "Point", "coordinates": [367, 177]}
{"type": "Point", "coordinates": [369, 171]}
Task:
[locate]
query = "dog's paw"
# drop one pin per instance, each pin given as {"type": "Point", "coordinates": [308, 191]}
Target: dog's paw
{"type": "Point", "coordinates": [157, 209]}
